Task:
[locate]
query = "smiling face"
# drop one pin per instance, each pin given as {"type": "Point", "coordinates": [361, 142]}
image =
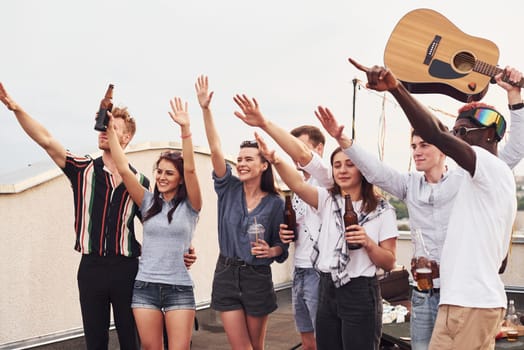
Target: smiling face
{"type": "Point", "coordinates": [425, 155]}
{"type": "Point", "coordinates": [345, 173]}
{"type": "Point", "coordinates": [250, 165]}
{"type": "Point", "coordinates": [167, 178]}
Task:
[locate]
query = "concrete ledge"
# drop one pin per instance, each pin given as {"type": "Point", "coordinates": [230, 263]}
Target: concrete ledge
{"type": "Point", "coordinates": [207, 320]}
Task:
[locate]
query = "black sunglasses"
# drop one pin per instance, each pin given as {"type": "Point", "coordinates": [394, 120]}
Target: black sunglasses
{"type": "Point", "coordinates": [249, 143]}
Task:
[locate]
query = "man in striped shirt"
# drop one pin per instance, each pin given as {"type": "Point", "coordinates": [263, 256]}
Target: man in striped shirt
{"type": "Point", "coordinates": [105, 235]}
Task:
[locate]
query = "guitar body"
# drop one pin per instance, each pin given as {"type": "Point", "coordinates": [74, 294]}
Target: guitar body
{"type": "Point", "coordinates": [429, 54]}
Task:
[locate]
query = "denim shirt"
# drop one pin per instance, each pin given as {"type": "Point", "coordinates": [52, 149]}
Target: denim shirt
{"type": "Point", "coordinates": [234, 220]}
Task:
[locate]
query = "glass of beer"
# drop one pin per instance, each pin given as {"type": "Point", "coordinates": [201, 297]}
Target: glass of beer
{"type": "Point", "coordinates": [424, 273]}
{"type": "Point", "coordinates": [421, 264]}
{"type": "Point", "coordinates": [512, 334]}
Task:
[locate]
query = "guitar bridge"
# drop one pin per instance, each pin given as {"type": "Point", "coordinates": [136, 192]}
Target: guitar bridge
{"type": "Point", "coordinates": [432, 48]}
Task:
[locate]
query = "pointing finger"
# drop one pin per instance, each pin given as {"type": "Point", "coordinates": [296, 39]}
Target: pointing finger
{"type": "Point", "coordinates": [358, 65]}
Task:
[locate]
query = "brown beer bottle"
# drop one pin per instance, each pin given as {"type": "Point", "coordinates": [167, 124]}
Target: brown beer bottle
{"type": "Point", "coordinates": [290, 218]}
{"type": "Point", "coordinates": [350, 218]}
{"type": "Point", "coordinates": [105, 105]}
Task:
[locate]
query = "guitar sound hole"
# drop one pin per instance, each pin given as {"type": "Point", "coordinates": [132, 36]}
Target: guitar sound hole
{"type": "Point", "coordinates": [464, 62]}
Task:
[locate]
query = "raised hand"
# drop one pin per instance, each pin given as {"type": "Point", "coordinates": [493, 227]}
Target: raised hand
{"type": "Point", "coordinates": [7, 100]}
{"type": "Point", "coordinates": [251, 114]}
{"type": "Point", "coordinates": [179, 111]}
{"type": "Point", "coordinates": [328, 121]}
{"type": "Point", "coordinates": [379, 78]}
{"type": "Point", "coordinates": [202, 90]}
{"type": "Point", "coordinates": [269, 154]}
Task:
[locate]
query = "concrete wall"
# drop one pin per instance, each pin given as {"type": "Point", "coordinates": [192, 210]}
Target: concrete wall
{"type": "Point", "coordinates": [39, 295]}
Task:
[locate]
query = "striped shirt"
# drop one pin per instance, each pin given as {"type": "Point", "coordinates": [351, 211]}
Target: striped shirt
{"type": "Point", "coordinates": [104, 214]}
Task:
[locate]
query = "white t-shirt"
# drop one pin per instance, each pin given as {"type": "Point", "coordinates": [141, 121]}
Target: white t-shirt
{"type": "Point", "coordinates": [307, 218]}
{"type": "Point", "coordinates": [378, 229]}
{"type": "Point", "coordinates": [478, 236]}
{"type": "Point", "coordinates": [308, 226]}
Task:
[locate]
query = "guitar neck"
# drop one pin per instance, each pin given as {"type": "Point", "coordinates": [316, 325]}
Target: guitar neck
{"type": "Point", "coordinates": [491, 70]}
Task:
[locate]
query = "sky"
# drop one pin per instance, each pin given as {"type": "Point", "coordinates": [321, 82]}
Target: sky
{"type": "Point", "coordinates": [59, 56]}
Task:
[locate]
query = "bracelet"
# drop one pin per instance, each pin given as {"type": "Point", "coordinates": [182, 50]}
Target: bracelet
{"type": "Point", "coordinates": [516, 106]}
{"type": "Point", "coordinates": [186, 136]}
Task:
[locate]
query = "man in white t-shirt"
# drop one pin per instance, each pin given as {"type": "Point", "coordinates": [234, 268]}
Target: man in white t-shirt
{"type": "Point", "coordinates": [472, 295]}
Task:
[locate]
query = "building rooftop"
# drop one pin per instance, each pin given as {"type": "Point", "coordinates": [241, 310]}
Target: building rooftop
{"type": "Point", "coordinates": [281, 331]}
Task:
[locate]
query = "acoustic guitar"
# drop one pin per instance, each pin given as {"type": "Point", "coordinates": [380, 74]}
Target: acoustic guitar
{"type": "Point", "coordinates": [429, 54]}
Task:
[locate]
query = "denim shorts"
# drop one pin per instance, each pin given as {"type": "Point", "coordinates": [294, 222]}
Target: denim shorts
{"type": "Point", "coordinates": [164, 297]}
{"type": "Point", "coordinates": [237, 285]}
{"type": "Point", "coordinates": [305, 298]}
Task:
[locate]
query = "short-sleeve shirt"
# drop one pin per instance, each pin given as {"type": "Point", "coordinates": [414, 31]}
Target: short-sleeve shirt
{"type": "Point", "coordinates": [478, 236]}
{"type": "Point", "coordinates": [378, 229]}
{"type": "Point", "coordinates": [165, 243]}
{"type": "Point", "coordinates": [234, 220]}
{"type": "Point", "coordinates": [104, 213]}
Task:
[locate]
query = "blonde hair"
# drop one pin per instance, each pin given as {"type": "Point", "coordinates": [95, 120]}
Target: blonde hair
{"type": "Point", "coordinates": [123, 113]}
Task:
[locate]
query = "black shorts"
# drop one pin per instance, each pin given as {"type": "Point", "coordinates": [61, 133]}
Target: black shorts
{"type": "Point", "coordinates": [237, 285]}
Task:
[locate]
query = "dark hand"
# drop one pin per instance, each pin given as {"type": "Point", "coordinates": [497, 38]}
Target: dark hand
{"type": "Point", "coordinates": [379, 78]}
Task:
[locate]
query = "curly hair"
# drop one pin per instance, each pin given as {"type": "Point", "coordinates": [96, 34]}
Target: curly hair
{"type": "Point", "coordinates": [123, 113]}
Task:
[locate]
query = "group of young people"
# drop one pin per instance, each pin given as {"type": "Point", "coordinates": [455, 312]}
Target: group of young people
{"type": "Point", "coordinates": [336, 294]}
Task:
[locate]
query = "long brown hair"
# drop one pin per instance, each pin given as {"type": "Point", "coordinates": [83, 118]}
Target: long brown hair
{"type": "Point", "coordinates": [267, 182]}
{"type": "Point", "coordinates": [176, 159]}
{"type": "Point", "coordinates": [370, 197]}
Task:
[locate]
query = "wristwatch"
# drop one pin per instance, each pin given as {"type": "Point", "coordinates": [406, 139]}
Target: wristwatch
{"type": "Point", "coordinates": [516, 106]}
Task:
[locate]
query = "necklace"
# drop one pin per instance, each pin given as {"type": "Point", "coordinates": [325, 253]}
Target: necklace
{"type": "Point", "coordinates": [254, 202]}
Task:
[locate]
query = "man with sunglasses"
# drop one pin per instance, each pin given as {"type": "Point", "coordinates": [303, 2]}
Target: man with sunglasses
{"type": "Point", "coordinates": [472, 294]}
{"type": "Point", "coordinates": [429, 192]}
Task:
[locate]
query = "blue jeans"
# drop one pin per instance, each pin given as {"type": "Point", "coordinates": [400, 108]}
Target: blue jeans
{"type": "Point", "coordinates": [424, 308]}
{"type": "Point", "coordinates": [164, 297]}
{"type": "Point", "coordinates": [304, 296]}
{"type": "Point", "coordinates": [349, 317]}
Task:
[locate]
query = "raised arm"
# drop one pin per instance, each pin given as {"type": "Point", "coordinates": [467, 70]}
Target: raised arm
{"type": "Point", "coordinates": [204, 99]}
{"type": "Point", "coordinates": [374, 170]}
{"type": "Point", "coordinates": [513, 152]}
{"type": "Point", "coordinates": [252, 116]}
{"type": "Point", "coordinates": [35, 130]}
{"type": "Point", "coordinates": [133, 186]}
{"type": "Point", "coordinates": [289, 175]}
{"type": "Point", "coordinates": [421, 119]}
{"type": "Point", "coordinates": [180, 115]}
